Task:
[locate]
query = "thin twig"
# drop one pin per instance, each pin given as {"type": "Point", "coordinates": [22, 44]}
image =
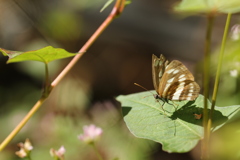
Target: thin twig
{"type": "Point", "coordinates": [219, 67]}
{"type": "Point", "coordinates": [21, 124]}
{"type": "Point", "coordinates": [117, 9]}
{"type": "Point", "coordinates": [220, 59]}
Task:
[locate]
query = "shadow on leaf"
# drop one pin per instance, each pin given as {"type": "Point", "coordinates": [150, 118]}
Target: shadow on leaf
{"type": "Point", "coordinates": [126, 110]}
{"type": "Point", "coordinates": [186, 113]}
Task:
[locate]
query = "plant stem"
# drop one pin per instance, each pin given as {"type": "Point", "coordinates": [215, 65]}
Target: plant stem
{"type": "Point", "coordinates": [29, 157]}
{"type": "Point", "coordinates": [220, 59]}
{"type": "Point", "coordinates": [96, 151]}
{"type": "Point", "coordinates": [116, 11]}
{"type": "Point", "coordinates": [206, 84]}
{"type": "Point", "coordinates": [47, 86]}
{"type": "Point", "coordinates": [21, 124]}
{"type": "Point", "coordinates": [47, 80]}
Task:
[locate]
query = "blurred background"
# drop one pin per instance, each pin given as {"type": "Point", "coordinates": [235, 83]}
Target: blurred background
{"type": "Point", "coordinates": [119, 57]}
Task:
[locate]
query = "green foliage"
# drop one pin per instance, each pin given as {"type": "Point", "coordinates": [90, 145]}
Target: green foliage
{"type": "Point", "coordinates": [63, 26]}
{"type": "Point", "coordinates": [208, 6]}
{"type": "Point", "coordinates": [225, 142]}
{"type": "Point", "coordinates": [176, 128]}
{"type": "Point", "coordinates": [45, 55]}
{"type": "Point", "coordinates": [231, 57]}
{"type": "Point", "coordinates": [229, 89]}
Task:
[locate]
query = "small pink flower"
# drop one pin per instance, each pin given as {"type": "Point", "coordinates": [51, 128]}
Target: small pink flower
{"type": "Point", "coordinates": [27, 145]}
{"type": "Point", "coordinates": [25, 149]}
{"type": "Point", "coordinates": [59, 154]}
{"type": "Point", "coordinates": [21, 153]}
{"type": "Point", "coordinates": [90, 134]}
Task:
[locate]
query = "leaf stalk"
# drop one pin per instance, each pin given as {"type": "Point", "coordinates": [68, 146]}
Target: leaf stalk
{"type": "Point", "coordinates": [206, 74]}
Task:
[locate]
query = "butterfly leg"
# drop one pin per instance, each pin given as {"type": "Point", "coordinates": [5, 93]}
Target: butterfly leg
{"type": "Point", "coordinates": [173, 104]}
{"type": "Point", "coordinates": [157, 100]}
{"type": "Point", "coordinates": [162, 107]}
{"type": "Point", "coordinates": [164, 101]}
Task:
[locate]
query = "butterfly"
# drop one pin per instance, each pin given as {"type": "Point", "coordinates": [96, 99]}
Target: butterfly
{"type": "Point", "coordinates": [173, 81]}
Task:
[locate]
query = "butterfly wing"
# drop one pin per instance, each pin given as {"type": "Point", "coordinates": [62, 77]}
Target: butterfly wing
{"type": "Point", "coordinates": [187, 90]}
{"type": "Point", "coordinates": [158, 69]}
{"type": "Point", "coordinates": [177, 83]}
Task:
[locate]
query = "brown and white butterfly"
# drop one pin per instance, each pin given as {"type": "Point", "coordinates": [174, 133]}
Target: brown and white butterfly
{"type": "Point", "coordinates": [173, 81]}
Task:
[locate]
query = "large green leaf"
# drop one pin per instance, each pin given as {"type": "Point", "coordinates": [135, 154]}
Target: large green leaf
{"type": "Point", "coordinates": [175, 127]}
{"type": "Point", "coordinates": [207, 6]}
{"type": "Point", "coordinates": [45, 55]}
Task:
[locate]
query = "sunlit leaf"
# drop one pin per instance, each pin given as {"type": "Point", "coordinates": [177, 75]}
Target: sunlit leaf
{"type": "Point", "coordinates": [208, 6]}
{"type": "Point", "coordinates": [176, 129]}
{"type": "Point", "coordinates": [106, 5]}
{"type": "Point", "coordinates": [110, 2]}
{"type": "Point", "coordinates": [45, 55]}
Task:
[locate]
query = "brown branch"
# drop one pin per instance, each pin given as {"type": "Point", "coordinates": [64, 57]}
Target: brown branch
{"type": "Point", "coordinates": [116, 11]}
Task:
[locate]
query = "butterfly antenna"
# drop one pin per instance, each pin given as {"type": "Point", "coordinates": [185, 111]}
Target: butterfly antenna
{"type": "Point", "coordinates": [140, 86]}
{"type": "Point", "coordinates": [151, 93]}
{"type": "Point", "coordinates": [143, 88]}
